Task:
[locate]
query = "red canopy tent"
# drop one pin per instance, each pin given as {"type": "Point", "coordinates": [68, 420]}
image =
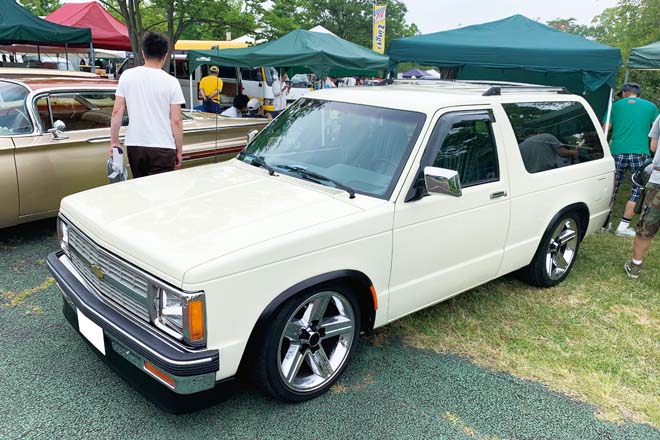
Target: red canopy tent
{"type": "Point", "coordinates": [107, 31]}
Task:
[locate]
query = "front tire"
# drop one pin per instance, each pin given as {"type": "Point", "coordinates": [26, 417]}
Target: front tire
{"type": "Point", "coordinates": [309, 344]}
{"type": "Point", "coordinates": [556, 254]}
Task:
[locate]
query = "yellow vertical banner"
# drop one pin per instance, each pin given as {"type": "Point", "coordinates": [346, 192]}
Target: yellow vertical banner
{"type": "Point", "coordinates": [379, 28]}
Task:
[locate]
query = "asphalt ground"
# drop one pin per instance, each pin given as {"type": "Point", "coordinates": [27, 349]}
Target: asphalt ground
{"type": "Point", "coordinates": [53, 385]}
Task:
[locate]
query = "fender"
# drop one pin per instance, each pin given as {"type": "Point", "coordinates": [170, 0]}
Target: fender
{"type": "Point", "coordinates": [359, 280]}
{"type": "Point", "coordinates": [583, 211]}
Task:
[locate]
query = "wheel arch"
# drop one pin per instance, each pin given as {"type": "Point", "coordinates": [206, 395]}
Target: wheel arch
{"type": "Point", "coordinates": [581, 209]}
{"type": "Point", "coordinates": [358, 281]}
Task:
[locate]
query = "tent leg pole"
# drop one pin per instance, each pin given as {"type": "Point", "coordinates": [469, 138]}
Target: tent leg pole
{"type": "Point", "coordinates": [38, 53]}
{"type": "Point", "coordinates": [609, 114]}
{"type": "Point", "coordinates": [66, 52]}
{"type": "Point", "coordinates": [625, 80]}
{"type": "Point", "coordinates": [92, 63]}
{"type": "Point", "coordinates": [191, 94]}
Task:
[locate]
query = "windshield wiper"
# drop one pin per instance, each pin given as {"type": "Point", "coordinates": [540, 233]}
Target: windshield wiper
{"type": "Point", "coordinates": [315, 177]}
{"type": "Point", "coordinates": [260, 162]}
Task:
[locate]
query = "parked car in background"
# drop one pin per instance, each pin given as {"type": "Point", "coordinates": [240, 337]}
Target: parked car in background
{"type": "Point", "coordinates": [55, 136]}
{"type": "Point", "coordinates": [353, 208]}
{"type": "Point", "coordinates": [33, 72]}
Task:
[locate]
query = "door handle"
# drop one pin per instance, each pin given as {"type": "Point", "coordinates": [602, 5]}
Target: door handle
{"type": "Point", "coordinates": [498, 194]}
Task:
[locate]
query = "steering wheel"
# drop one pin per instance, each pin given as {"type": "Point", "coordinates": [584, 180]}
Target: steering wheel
{"type": "Point", "coordinates": [382, 165]}
{"type": "Point", "coordinates": [21, 121]}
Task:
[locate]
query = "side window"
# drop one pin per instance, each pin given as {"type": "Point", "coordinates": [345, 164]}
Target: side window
{"type": "Point", "coordinates": [78, 111]}
{"type": "Point", "coordinates": [465, 143]}
{"type": "Point", "coordinates": [553, 135]}
{"type": "Point", "coordinates": [227, 72]}
{"type": "Point", "coordinates": [251, 74]}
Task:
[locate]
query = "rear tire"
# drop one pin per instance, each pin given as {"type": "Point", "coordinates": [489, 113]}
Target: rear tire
{"type": "Point", "coordinates": [556, 254]}
{"type": "Point", "coordinates": [309, 343]}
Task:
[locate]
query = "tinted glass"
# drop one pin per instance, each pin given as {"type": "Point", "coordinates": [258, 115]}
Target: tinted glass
{"type": "Point", "coordinates": [14, 117]}
{"type": "Point", "coordinates": [469, 148]}
{"type": "Point", "coordinates": [360, 146]}
{"type": "Point", "coordinates": [553, 135]}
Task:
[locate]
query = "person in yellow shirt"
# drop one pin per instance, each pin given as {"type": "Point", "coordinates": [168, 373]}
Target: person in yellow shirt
{"type": "Point", "coordinates": [211, 87]}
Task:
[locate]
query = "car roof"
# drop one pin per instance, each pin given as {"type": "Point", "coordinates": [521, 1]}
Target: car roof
{"type": "Point", "coordinates": [51, 83]}
{"type": "Point", "coordinates": [428, 96]}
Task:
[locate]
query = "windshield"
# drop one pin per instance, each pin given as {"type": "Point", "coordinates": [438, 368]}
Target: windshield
{"type": "Point", "coordinates": [358, 146]}
{"type": "Point", "coordinates": [14, 117]}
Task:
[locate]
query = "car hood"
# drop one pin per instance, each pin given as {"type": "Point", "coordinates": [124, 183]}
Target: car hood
{"type": "Point", "coordinates": [169, 223]}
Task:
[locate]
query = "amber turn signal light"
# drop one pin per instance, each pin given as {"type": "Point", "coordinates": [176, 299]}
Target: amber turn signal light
{"type": "Point", "coordinates": [196, 320]}
{"type": "Point", "coordinates": [151, 368]}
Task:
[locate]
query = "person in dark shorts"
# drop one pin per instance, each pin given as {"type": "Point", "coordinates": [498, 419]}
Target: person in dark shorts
{"type": "Point", "coordinates": [153, 99]}
{"type": "Point", "coordinates": [649, 221]}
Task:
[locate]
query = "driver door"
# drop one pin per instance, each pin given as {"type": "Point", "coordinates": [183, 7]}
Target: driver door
{"type": "Point", "coordinates": [442, 244]}
{"type": "Point", "coordinates": [52, 166]}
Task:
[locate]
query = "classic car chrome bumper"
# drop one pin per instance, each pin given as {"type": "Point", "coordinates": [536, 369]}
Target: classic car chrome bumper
{"type": "Point", "coordinates": [182, 371]}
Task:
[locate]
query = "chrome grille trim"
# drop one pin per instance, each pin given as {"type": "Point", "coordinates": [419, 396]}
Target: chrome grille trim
{"type": "Point", "coordinates": [120, 284]}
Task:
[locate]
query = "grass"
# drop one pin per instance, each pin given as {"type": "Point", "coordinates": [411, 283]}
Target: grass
{"type": "Point", "coordinates": [595, 337]}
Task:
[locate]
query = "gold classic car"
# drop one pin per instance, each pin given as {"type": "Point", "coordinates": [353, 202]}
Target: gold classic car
{"type": "Point", "coordinates": [55, 137]}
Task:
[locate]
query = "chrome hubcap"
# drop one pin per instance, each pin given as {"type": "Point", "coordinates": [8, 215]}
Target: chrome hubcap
{"type": "Point", "coordinates": [316, 341]}
{"type": "Point", "coordinates": [561, 250]}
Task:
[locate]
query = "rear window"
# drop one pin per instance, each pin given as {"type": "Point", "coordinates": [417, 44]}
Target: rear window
{"type": "Point", "coordinates": [14, 117]}
{"type": "Point", "coordinates": [553, 135]}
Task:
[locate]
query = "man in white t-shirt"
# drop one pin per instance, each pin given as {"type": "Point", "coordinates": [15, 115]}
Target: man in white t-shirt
{"type": "Point", "coordinates": [649, 221]}
{"type": "Point", "coordinates": [154, 139]}
{"type": "Point", "coordinates": [238, 107]}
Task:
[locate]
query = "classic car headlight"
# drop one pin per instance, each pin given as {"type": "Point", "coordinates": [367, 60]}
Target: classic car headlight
{"type": "Point", "coordinates": [182, 315]}
{"type": "Point", "coordinates": [63, 234]}
{"type": "Point", "coordinates": [268, 101]}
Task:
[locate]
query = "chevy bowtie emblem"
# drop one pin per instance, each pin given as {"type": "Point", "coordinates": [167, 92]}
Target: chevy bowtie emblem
{"type": "Point", "coordinates": [97, 271]}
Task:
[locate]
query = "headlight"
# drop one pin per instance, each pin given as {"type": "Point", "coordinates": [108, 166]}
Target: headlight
{"type": "Point", "coordinates": [268, 101]}
{"type": "Point", "coordinates": [182, 315]}
{"type": "Point", "coordinates": [63, 234]}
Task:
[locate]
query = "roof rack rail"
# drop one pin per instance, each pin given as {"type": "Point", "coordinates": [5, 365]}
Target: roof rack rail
{"type": "Point", "coordinates": [497, 90]}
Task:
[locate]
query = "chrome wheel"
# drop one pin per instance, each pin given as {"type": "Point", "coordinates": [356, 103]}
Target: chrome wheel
{"type": "Point", "coordinates": [562, 249]}
{"type": "Point", "coordinates": [316, 341]}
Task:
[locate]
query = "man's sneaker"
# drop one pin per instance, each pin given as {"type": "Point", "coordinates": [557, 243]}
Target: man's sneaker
{"type": "Point", "coordinates": [632, 270]}
{"type": "Point", "coordinates": [625, 232]}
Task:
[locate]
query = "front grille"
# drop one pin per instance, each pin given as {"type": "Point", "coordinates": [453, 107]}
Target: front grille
{"type": "Point", "coordinates": [118, 283]}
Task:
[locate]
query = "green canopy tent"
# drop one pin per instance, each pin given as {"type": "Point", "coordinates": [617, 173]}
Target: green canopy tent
{"type": "Point", "coordinates": [645, 57]}
{"type": "Point", "coordinates": [323, 54]}
{"type": "Point", "coordinates": [522, 50]}
{"type": "Point", "coordinates": [19, 26]}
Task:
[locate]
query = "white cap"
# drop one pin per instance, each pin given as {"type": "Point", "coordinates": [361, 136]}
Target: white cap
{"type": "Point", "coordinates": [253, 104]}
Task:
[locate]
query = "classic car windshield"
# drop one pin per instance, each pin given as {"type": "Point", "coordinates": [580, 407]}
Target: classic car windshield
{"type": "Point", "coordinates": [14, 117]}
{"type": "Point", "coordinates": [361, 147]}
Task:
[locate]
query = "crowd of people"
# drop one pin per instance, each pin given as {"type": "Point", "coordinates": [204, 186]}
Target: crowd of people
{"type": "Point", "coordinates": [635, 128]}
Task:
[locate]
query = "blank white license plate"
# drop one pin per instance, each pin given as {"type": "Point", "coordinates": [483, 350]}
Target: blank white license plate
{"type": "Point", "coordinates": [91, 331]}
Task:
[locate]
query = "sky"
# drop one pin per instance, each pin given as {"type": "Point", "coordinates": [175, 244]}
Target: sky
{"type": "Point", "coordinates": [440, 15]}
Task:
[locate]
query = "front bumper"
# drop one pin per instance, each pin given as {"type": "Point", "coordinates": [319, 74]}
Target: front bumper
{"type": "Point", "coordinates": [189, 371]}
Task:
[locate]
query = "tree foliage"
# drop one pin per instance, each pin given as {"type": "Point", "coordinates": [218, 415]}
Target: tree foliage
{"type": "Point", "coordinates": [351, 20]}
{"type": "Point", "coordinates": [189, 19]}
{"type": "Point", "coordinates": [40, 8]}
{"type": "Point", "coordinates": [629, 24]}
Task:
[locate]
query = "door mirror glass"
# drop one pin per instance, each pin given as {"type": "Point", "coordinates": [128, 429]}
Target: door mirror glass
{"type": "Point", "coordinates": [442, 181]}
{"type": "Point", "coordinates": [59, 125]}
{"type": "Point", "coordinates": [251, 135]}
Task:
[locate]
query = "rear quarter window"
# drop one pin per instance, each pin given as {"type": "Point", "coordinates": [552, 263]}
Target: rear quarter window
{"type": "Point", "coordinates": [553, 135]}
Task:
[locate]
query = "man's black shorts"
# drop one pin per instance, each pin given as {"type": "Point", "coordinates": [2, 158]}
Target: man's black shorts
{"type": "Point", "coordinates": [146, 161]}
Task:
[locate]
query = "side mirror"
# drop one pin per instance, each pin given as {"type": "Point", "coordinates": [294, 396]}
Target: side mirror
{"type": "Point", "coordinates": [251, 135]}
{"type": "Point", "coordinates": [58, 128]}
{"type": "Point", "coordinates": [442, 181]}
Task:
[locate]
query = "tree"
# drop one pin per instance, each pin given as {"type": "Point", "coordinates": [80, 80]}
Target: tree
{"type": "Point", "coordinates": [207, 18]}
{"type": "Point", "coordinates": [629, 24]}
{"type": "Point", "coordinates": [40, 8]}
{"type": "Point", "coordinates": [350, 20]}
{"type": "Point", "coordinates": [571, 26]}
